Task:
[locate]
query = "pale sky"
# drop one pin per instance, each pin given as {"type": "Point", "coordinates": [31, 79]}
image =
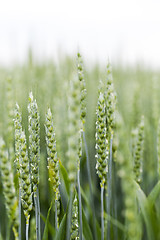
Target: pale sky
{"type": "Point", "coordinates": [121, 30]}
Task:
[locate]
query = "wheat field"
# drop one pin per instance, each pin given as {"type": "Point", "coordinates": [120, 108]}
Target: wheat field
{"type": "Point", "coordinates": [79, 151]}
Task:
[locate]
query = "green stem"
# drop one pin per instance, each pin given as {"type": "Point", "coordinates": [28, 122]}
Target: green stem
{"type": "Point", "coordinates": [115, 201]}
{"type": "Point", "coordinates": [90, 187]}
{"type": "Point", "coordinates": [27, 228]}
{"type": "Point", "coordinates": [56, 221]}
{"type": "Point", "coordinates": [69, 214]}
{"type": "Point", "coordinates": [109, 189]}
{"type": "Point", "coordinates": [37, 213]}
{"type": "Point", "coordinates": [102, 213]}
{"type": "Point", "coordinates": [19, 205]}
{"type": "Point", "coordinates": [80, 203]}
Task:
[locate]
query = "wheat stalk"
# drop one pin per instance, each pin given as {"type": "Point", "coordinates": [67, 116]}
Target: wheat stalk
{"type": "Point", "coordinates": [101, 150]}
{"type": "Point", "coordinates": [34, 153]}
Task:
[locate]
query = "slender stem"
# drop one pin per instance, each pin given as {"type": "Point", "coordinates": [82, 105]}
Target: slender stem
{"type": "Point", "coordinates": [69, 214]}
{"type": "Point", "coordinates": [80, 204]}
{"type": "Point", "coordinates": [19, 205]}
{"type": "Point", "coordinates": [90, 187]}
{"type": "Point", "coordinates": [39, 222]}
{"type": "Point", "coordinates": [115, 202]}
{"type": "Point", "coordinates": [27, 228]}
{"type": "Point", "coordinates": [102, 213]}
{"type": "Point", "coordinates": [109, 188]}
{"type": "Point", "coordinates": [35, 202]}
{"type": "Point", "coordinates": [8, 230]}
{"type": "Point", "coordinates": [56, 222]}
{"type": "Point", "coordinates": [37, 212]}
{"type": "Point", "coordinates": [15, 233]}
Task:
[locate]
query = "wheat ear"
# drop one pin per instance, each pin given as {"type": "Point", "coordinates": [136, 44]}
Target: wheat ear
{"type": "Point", "coordinates": [53, 163]}
{"type": "Point", "coordinates": [34, 150]}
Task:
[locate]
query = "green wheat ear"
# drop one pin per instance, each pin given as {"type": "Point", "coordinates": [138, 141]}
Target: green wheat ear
{"type": "Point", "coordinates": [53, 162]}
{"type": "Point", "coordinates": [138, 152]}
{"type": "Point", "coordinates": [101, 141]}
{"type": "Point", "coordinates": [83, 91]}
{"type": "Point", "coordinates": [110, 98]}
{"type": "Point", "coordinates": [73, 129]}
{"type": "Point", "coordinates": [34, 140]}
{"type": "Point", "coordinates": [9, 192]}
{"type": "Point", "coordinates": [10, 115]}
{"type": "Point", "coordinates": [18, 130]}
{"type": "Point", "coordinates": [22, 164]}
{"type": "Point", "coordinates": [25, 181]}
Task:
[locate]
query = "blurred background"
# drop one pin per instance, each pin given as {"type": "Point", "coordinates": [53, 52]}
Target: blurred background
{"type": "Point", "coordinates": [125, 31]}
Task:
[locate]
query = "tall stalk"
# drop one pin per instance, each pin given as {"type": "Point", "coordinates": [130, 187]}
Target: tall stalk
{"type": "Point", "coordinates": [101, 148]}
{"type": "Point", "coordinates": [37, 213]}
{"type": "Point", "coordinates": [19, 209]}
{"type": "Point", "coordinates": [34, 150]}
{"type": "Point", "coordinates": [83, 110]}
{"type": "Point", "coordinates": [114, 196]}
{"type": "Point", "coordinates": [80, 204]}
{"type": "Point", "coordinates": [109, 196]}
{"type": "Point", "coordinates": [27, 228]}
{"type": "Point", "coordinates": [90, 186]}
{"type": "Point", "coordinates": [102, 214]}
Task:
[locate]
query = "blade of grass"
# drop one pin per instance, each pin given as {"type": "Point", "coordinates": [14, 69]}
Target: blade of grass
{"type": "Point", "coordinates": [61, 231]}
{"type": "Point", "coordinates": [115, 222]}
{"type": "Point", "coordinates": [86, 228]}
{"type": "Point", "coordinates": [147, 213]}
{"type": "Point", "coordinates": [65, 177]}
{"type": "Point", "coordinates": [154, 194]}
{"type": "Point", "coordinates": [45, 233]}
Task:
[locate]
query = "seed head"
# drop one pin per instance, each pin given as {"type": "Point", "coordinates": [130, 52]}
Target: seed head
{"type": "Point", "coordinates": [101, 141]}
{"type": "Point", "coordinates": [34, 140]}
{"type": "Point", "coordinates": [138, 152]}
